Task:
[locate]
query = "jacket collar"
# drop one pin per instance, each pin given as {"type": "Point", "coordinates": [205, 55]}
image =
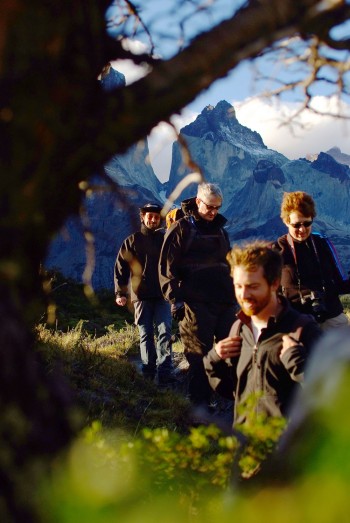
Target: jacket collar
{"type": "Point", "coordinates": [146, 231]}
{"type": "Point", "coordinates": [189, 208]}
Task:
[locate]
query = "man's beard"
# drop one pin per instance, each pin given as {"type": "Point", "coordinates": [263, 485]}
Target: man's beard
{"type": "Point", "coordinates": [253, 307]}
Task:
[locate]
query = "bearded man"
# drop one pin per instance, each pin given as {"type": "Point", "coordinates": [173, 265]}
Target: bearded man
{"type": "Point", "coordinates": [266, 350]}
{"type": "Point", "coordinates": [136, 273]}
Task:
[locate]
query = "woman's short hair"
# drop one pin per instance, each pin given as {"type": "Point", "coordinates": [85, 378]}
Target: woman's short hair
{"type": "Point", "coordinates": [297, 201]}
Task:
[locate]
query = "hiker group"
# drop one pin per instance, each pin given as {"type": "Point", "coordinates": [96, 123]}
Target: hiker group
{"type": "Point", "coordinates": [248, 316]}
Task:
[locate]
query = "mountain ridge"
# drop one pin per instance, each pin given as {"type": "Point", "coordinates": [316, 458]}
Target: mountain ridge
{"type": "Point", "coordinates": [251, 176]}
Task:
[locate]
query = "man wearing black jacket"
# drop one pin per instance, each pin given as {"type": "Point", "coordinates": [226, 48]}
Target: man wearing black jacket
{"type": "Point", "coordinates": [266, 351]}
{"type": "Point", "coordinates": [195, 279]}
{"type": "Point", "coordinates": [136, 268]}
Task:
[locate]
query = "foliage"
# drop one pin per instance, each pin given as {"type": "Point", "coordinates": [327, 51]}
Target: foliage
{"type": "Point", "coordinates": [69, 305]}
{"type": "Point", "coordinates": [187, 463]}
{"type": "Point", "coordinates": [109, 469]}
{"type": "Point", "coordinates": [149, 454]}
{"type": "Point", "coordinates": [345, 299]}
{"type": "Point", "coordinates": [117, 342]}
{"type": "Point", "coordinates": [261, 434]}
{"type": "Point", "coordinates": [109, 476]}
{"type": "Point", "coordinates": [108, 388]}
{"type": "Point", "coordinates": [145, 431]}
{"type": "Point", "coordinates": [107, 385]}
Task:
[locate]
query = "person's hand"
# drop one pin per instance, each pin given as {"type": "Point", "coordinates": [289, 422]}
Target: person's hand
{"type": "Point", "coordinates": [121, 301]}
{"type": "Point", "coordinates": [178, 310]}
{"type": "Point", "coordinates": [229, 347]}
{"type": "Point", "coordinates": [287, 343]}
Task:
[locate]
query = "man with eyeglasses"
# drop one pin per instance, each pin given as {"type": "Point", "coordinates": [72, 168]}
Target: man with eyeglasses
{"type": "Point", "coordinates": [312, 277]}
{"type": "Point", "coordinates": [195, 278]}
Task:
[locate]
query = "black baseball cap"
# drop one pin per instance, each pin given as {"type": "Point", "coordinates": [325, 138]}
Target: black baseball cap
{"type": "Point", "coordinates": [151, 207]}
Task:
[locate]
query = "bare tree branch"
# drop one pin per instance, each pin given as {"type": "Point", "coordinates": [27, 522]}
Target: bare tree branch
{"type": "Point", "coordinates": [210, 57]}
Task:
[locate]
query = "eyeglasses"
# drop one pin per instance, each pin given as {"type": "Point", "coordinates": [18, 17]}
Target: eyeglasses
{"type": "Point", "coordinates": [211, 207]}
{"type": "Point", "coordinates": [301, 224]}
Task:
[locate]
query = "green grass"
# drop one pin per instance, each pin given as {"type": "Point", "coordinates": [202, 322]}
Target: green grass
{"type": "Point", "coordinates": [130, 428]}
{"type": "Point", "coordinates": [107, 385]}
{"type": "Point", "coordinates": [137, 455]}
{"type": "Point", "coordinates": [70, 305]}
{"type": "Point", "coordinates": [96, 343]}
{"type": "Point", "coordinates": [345, 299]}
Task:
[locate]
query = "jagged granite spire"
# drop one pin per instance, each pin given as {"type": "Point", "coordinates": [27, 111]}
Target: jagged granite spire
{"type": "Point", "coordinates": [327, 164]}
{"type": "Point", "coordinates": [226, 151]}
{"type": "Point", "coordinates": [220, 123]}
{"type": "Point", "coordinates": [251, 176]}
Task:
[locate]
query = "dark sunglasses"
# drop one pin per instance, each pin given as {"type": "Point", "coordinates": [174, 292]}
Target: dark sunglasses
{"type": "Point", "coordinates": [211, 207]}
{"type": "Point", "coordinates": [301, 224]}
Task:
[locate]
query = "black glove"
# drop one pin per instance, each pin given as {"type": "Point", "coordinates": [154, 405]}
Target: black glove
{"type": "Point", "coordinates": [178, 310]}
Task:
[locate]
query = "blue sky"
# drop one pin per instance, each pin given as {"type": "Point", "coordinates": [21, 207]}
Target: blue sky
{"type": "Point", "coordinates": [309, 133]}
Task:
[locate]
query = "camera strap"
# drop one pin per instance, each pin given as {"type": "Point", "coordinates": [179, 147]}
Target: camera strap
{"type": "Point", "coordinates": [292, 248]}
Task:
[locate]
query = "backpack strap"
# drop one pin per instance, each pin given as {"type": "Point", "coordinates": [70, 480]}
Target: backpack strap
{"type": "Point", "coordinates": [236, 328]}
{"type": "Point", "coordinates": [193, 231]}
{"type": "Point", "coordinates": [296, 331]}
{"type": "Point", "coordinates": [191, 235]}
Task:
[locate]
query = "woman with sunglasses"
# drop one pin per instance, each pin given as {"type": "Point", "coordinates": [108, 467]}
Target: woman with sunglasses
{"type": "Point", "coordinates": [312, 277]}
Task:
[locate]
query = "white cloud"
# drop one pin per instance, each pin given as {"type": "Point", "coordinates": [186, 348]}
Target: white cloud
{"type": "Point", "coordinates": [130, 70]}
{"type": "Point", "coordinates": [309, 133]}
{"type": "Point", "coordinates": [160, 142]}
{"type": "Point", "coordinates": [134, 46]}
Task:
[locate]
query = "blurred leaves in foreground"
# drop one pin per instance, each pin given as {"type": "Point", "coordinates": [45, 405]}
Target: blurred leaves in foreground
{"type": "Point", "coordinates": [180, 475]}
{"type": "Point", "coordinates": [108, 477]}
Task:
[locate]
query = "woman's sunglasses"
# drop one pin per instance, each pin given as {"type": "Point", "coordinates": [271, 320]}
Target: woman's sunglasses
{"type": "Point", "coordinates": [301, 224]}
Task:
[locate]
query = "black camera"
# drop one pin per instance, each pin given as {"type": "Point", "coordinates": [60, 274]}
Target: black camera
{"type": "Point", "coordinates": [317, 304]}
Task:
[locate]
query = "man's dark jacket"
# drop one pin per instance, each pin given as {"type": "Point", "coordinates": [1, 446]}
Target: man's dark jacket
{"type": "Point", "coordinates": [193, 265]}
{"type": "Point", "coordinates": [313, 271]}
{"type": "Point", "coordinates": [259, 368]}
{"type": "Point", "coordinates": [137, 262]}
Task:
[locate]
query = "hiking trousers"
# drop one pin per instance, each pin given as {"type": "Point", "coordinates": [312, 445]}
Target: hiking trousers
{"type": "Point", "coordinates": [202, 326]}
{"type": "Point", "coordinates": [153, 319]}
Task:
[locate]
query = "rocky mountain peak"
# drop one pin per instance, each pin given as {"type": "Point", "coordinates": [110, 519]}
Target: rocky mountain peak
{"type": "Point", "coordinates": [219, 123]}
{"type": "Point", "coordinates": [339, 156]}
{"type": "Point", "coordinates": [112, 79]}
{"type": "Point", "coordinates": [209, 121]}
{"type": "Point", "coordinates": [251, 176]}
{"type": "Point", "coordinates": [327, 164]}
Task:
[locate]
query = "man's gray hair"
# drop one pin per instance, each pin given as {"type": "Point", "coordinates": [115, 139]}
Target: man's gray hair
{"type": "Point", "coordinates": [209, 189]}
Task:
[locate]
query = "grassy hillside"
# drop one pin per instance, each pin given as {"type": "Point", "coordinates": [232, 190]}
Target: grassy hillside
{"type": "Point", "coordinates": [97, 345]}
{"type": "Point", "coordinates": [106, 384]}
{"type": "Point", "coordinates": [72, 306]}
{"type": "Point", "coordinates": [138, 454]}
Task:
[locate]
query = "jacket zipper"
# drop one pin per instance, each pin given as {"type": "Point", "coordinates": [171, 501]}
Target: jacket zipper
{"type": "Point", "coordinates": [255, 354]}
